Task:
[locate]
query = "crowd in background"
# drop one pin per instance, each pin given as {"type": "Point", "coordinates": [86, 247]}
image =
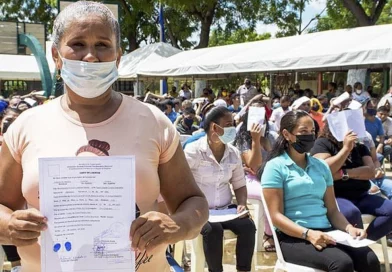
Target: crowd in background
{"type": "Point", "coordinates": [361, 163]}
{"type": "Point", "coordinates": [217, 124]}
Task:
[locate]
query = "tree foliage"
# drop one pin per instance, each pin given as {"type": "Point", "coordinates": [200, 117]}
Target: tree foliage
{"type": "Point", "coordinates": [287, 15]}
{"type": "Point", "coordinates": [34, 11]}
{"type": "Point", "coordinates": [238, 36]}
{"type": "Point", "coordinates": [225, 15]}
{"type": "Point", "coordinates": [338, 16]}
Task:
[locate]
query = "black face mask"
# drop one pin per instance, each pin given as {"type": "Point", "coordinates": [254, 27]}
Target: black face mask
{"type": "Point", "coordinates": [325, 105]}
{"type": "Point", "coordinates": [316, 107]}
{"type": "Point", "coordinates": [188, 122]}
{"type": "Point", "coordinates": [304, 143]}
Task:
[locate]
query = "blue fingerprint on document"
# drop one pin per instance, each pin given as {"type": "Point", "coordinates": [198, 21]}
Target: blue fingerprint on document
{"type": "Point", "coordinates": [56, 247]}
{"type": "Point", "coordinates": [68, 246]}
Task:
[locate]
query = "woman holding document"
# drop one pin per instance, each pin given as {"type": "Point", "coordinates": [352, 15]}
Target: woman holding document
{"type": "Point", "coordinates": [298, 190]}
{"type": "Point", "coordinates": [91, 118]}
{"type": "Point", "coordinates": [352, 167]}
{"type": "Point", "coordinates": [216, 164]}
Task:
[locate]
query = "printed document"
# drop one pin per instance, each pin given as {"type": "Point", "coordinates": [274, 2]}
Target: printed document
{"type": "Point", "coordinates": [341, 122]}
{"type": "Point", "coordinates": [225, 215]}
{"type": "Point", "coordinates": [90, 205]}
{"type": "Point", "coordinates": [346, 239]}
{"type": "Point", "coordinates": [256, 115]}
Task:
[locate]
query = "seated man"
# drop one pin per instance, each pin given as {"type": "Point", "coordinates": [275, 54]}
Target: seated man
{"type": "Point", "coordinates": [186, 127]}
{"type": "Point", "coordinates": [382, 114]}
{"type": "Point", "coordinates": [374, 127]}
{"type": "Point", "coordinates": [168, 109]}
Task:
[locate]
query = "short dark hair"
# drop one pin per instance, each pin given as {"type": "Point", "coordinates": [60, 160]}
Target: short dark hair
{"type": "Point", "coordinates": [214, 115]}
{"type": "Point", "coordinates": [168, 102]}
{"type": "Point", "coordinates": [333, 84]}
{"type": "Point", "coordinates": [285, 98]}
{"type": "Point", "coordinates": [383, 109]}
{"type": "Point", "coordinates": [234, 96]}
{"type": "Point", "coordinates": [188, 110]}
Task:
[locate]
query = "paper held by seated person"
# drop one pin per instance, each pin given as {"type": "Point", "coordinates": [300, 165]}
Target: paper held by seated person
{"type": "Point", "coordinates": [90, 205]}
{"type": "Point", "coordinates": [346, 239]}
{"type": "Point", "coordinates": [256, 115]}
{"type": "Point", "coordinates": [225, 215]}
{"type": "Point", "coordinates": [341, 122]}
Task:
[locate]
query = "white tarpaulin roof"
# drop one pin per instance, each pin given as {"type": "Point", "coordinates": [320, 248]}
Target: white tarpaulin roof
{"type": "Point", "coordinates": [144, 58]}
{"type": "Point", "coordinates": [23, 67]}
{"type": "Point", "coordinates": [329, 50]}
{"type": "Point", "coordinates": [20, 67]}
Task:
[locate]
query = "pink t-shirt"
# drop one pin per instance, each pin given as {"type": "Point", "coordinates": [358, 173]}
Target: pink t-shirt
{"type": "Point", "coordinates": [135, 129]}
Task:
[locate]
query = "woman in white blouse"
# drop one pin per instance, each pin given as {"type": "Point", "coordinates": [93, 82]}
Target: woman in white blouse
{"type": "Point", "coordinates": [215, 165]}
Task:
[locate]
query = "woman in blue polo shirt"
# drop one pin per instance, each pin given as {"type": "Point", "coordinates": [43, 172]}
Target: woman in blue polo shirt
{"type": "Point", "coordinates": [298, 190]}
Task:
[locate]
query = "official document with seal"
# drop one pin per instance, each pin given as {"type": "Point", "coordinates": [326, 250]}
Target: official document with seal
{"type": "Point", "coordinates": [90, 205]}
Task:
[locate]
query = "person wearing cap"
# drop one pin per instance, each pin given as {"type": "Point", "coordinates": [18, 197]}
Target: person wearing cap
{"type": "Point", "coordinates": [386, 101]}
{"type": "Point", "coordinates": [246, 92]}
{"type": "Point", "coordinates": [304, 104]}
{"type": "Point", "coordinates": [220, 103]}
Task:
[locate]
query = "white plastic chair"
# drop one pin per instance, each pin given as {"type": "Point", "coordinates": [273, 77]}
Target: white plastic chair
{"type": "Point", "coordinates": [198, 259]}
{"type": "Point", "coordinates": [367, 219]}
{"type": "Point", "coordinates": [2, 258]}
{"type": "Point", "coordinates": [258, 211]}
{"type": "Point", "coordinates": [281, 264]}
{"type": "Point", "coordinates": [178, 252]}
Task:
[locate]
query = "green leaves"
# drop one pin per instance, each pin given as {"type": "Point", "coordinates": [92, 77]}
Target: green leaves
{"type": "Point", "coordinates": [218, 38]}
{"type": "Point", "coordinates": [351, 13]}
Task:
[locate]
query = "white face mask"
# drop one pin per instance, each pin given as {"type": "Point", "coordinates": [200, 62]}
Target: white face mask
{"type": "Point", "coordinates": [358, 92]}
{"type": "Point", "coordinates": [88, 79]}
{"type": "Point", "coordinates": [228, 136]}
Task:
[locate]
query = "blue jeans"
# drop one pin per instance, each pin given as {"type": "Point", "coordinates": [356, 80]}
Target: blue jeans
{"type": "Point", "coordinates": [385, 185]}
{"type": "Point", "coordinates": [387, 151]}
{"type": "Point", "coordinates": [380, 158]}
{"type": "Point", "coordinates": [368, 204]}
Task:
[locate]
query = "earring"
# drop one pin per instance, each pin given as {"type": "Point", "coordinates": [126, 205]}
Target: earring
{"type": "Point", "coordinates": [58, 75]}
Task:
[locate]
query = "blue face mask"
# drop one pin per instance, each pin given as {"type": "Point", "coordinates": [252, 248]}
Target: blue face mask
{"type": "Point", "coordinates": [275, 106]}
{"type": "Point", "coordinates": [371, 112]}
{"type": "Point", "coordinates": [229, 134]}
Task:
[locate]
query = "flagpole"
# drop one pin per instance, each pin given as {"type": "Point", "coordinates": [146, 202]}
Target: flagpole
{"type": "Point", "coordinates": [163, 82]}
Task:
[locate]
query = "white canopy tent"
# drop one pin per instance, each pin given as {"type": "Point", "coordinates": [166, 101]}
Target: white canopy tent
{"type": "Point", "coordinates": [364, 47]}
{"type": "Point", "coordinates": [23, 67]}
{"type": "Point", "coordinates": [144, 58]}
{"type": "Point", "coordinates": [19, 67]}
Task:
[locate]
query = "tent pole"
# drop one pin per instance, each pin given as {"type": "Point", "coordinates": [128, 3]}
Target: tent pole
{"type": "Point", "coordinates": [137, 86]}
{"type": "Point", "coordinates": [390, 74]}
{"type": "Point", "coordinates": [320, 83]}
